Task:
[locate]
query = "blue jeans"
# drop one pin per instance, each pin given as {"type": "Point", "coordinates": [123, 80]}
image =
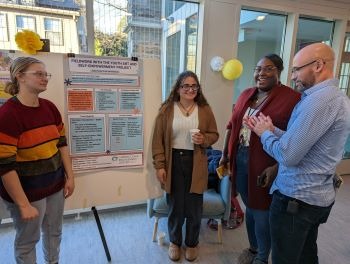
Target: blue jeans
{"type": "Point", "coordinates": [294, 236]}
{"type": "Point", "coordinates": [49, 222]}
{"type": "Point", "coordinates": [257, 221]}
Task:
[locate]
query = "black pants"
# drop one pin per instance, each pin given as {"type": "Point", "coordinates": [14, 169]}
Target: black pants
{"type": "Point", "coordinates": [183, 204]}
{"type": "Point", "coordinates": [294, 235]}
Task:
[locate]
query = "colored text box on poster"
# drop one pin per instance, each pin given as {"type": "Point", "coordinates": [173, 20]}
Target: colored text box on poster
{"type": "Point", "coordinates": [91, 79]}
{"type": "Point", "coordinates": [125, 132]}
{"type": "Point", "coordinates": [87, 134]}
{"type": "Point", "coordinates": [130, 100]}
{"type": "Point", "coordinates": [100, 64]}
{"type": "Point", "coordinates": [80, 100]}
{"type": "Point", "coordinates": [106, 100]}
{"type": "Point", "coordinates": [107, 161]}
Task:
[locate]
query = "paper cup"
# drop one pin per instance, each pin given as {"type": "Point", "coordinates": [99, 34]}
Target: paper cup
{"type": "Point", "coordinates": [161, 238]}
{"type": "Point", "coordinates": [193, 131]}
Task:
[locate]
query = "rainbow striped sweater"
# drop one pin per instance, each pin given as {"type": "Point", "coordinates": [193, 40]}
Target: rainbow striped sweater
{"type": "Point", "coordinates": [30, 138]}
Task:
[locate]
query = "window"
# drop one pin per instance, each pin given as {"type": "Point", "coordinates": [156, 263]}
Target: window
{"type": "Point", "coordinates": [172, 60]}
{"type": "Point", "coordinates": [3, 28]}
{"type": "Point", "coordinates": [53, 31]}
{"type": "Point", "coordinates": [313, 30]}
{"type": "Point", "coordinates": [163, 29]}
{"type": "Point", "coordinates": [344, 76]}
{"type": "Point", "coordinates": [344, 82]}
{"type": "Point", "coordinates": [191, 42]}
{"type": "Point", "coordinates": [27, 2]}
{"type": "Point", "coordinates": [171, 6]}
{"type": "Point", "coordinates": [25, 22]}
{"type": "Point", "coordinates": [180, 27]}
{"type": "Point", "coordinates": [260, 33]}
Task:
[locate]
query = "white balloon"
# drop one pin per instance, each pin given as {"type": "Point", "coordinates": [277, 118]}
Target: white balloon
{"type": "Point", "coordinates": [217, 63]}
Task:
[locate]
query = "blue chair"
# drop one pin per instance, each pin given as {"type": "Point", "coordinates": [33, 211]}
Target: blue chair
{"type": "Point", "coordinates": [3, 211]}
{"type": "Point", "coordinates": [216, 205]}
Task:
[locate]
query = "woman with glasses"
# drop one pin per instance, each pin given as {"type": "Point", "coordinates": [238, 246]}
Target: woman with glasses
{"type": "Point", "coordinates": [36, 173]}
{"type": "Point", "coordinates": [180, 159]}
{"type": "Point", "coordinates": [252, 169]}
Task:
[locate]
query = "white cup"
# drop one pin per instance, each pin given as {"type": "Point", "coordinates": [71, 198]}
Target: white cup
{"type": "Point", "coordinates": [193, 131]}
{"type": "Point", "coordinates": [161, 238]}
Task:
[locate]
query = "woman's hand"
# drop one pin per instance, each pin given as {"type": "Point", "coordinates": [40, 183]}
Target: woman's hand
{"type": "Point", "coordinates": [223, 161]}
{"type": "Point", "coordinates": [198, 138]}
{"type": "Point", "coordinates": [266, 178]}
{"type": "Point", "coordinates": [161, 176]}
{"type": "Point", "coordinates": [259, 124]}
{"type": "Point", "coordinates": [28, 212]}
{"type": "Point", "coordinates": [69, 186]}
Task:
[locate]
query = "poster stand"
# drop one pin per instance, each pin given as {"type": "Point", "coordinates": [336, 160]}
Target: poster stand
{"type": "Point", "coordinates": [102, 235]}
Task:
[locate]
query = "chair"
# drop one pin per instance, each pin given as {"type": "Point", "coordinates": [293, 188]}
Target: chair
{"type": "Point", "coordinates": [216, 205]}
{"type": "Point", "coordinates": [3, 211]}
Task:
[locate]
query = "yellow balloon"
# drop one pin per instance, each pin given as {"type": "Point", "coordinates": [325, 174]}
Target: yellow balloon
{"type": "Point", "coordinates": [232, 69]}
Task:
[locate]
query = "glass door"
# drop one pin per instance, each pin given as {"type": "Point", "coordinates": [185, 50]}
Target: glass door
{"type": "Point", "coordinates": [344, 81]}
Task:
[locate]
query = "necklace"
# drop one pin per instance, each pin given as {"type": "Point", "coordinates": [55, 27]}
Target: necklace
{"type": "Point", "coordinates": [251, 111]}
{"type": "Point", "coordinates": [260, 98]}
{"type": "Point", "coordinates": [245, 132]}
{"type": "Point", "coordinates": [187, 110]}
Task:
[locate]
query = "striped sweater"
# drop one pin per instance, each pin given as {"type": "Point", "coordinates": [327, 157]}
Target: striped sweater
{"type": "Point", "coordinates": [30, 138]}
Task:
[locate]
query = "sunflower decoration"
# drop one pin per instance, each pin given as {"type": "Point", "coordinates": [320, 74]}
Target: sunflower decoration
{"type": "Point", "coordinates": [28, 41]}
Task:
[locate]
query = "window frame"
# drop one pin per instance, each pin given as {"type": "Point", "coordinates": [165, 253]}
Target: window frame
{"type": "Point", "coordinates": [18, 29]}
{"type": "Point", "coordinates": [60, 33]}
{"type": "Point", "coordinates": [4, 29]}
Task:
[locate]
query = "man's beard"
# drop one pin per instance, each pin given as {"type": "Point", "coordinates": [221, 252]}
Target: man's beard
{"type": "Point", "coordinates": [302, 86]}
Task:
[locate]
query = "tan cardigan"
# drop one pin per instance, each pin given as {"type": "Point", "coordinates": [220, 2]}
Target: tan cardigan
{"type": "Point", "coordinates": [162, 146]}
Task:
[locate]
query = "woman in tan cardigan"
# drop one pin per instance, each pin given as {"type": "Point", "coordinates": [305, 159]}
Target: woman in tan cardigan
{"type": "Point", "coordinates": [180, 159]}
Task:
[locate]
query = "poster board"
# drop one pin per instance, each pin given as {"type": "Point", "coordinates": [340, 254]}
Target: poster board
{"type": "Point", "coordinates": [104, 106]}
{"type": "Point", "coordinates": [110, 186]}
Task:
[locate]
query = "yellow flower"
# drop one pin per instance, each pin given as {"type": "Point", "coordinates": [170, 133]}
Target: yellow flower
{"type": "Point", "coordinates": [28, 41]}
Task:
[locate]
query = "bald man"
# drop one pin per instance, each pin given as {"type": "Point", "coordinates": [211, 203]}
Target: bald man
{"type": "Point", "coordinates": [308, 152]}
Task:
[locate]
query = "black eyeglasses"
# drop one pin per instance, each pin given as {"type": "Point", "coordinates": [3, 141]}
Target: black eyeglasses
{"type": "Point", "coordinates": [187, 87]}
{"type": "Point", "coordinates": [267, 69]}
{"type": "Point", "coordinates": [39, 74]}
{"type": "Point", "coordinates": [296, 69]}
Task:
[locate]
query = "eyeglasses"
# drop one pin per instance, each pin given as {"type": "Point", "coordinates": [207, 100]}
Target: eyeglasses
{"type": "Point", "coordinates": [187, 87]}
{"type": "Point", "coordinates": [296, 69]}
{"type": "Point", "coordinates": [267, 69]}
{"type": "Point", "coordinates": [39, 74]}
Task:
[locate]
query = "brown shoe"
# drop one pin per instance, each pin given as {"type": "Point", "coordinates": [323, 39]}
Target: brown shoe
{"type": "Point", "coordinates": [191, 253]}
{"type": "Point", "coordinates": [247, 256]}
{"type": "Point", "coordinates": [174, 252]}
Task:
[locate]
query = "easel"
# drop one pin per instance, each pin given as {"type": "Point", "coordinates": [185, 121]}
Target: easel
{"type": "Point", "coordinates": [100, 230]}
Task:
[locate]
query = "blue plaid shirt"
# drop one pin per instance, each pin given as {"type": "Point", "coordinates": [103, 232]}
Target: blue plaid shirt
{"type": "Point", "coordinates": [312, 146]}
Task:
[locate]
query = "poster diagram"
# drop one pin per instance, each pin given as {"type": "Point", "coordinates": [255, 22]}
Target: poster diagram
{"type": "Point", "coordinates": [104, 101]}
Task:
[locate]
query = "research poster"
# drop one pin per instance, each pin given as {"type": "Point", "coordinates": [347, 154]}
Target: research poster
{"type": "Point", "coordinates": [104, 103]}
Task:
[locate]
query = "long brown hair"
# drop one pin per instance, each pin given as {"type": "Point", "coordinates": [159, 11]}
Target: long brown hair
{"type": "Point", "coordinates": [174, 95]}
{"type": "Point", "coordinates": [19, 65]}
